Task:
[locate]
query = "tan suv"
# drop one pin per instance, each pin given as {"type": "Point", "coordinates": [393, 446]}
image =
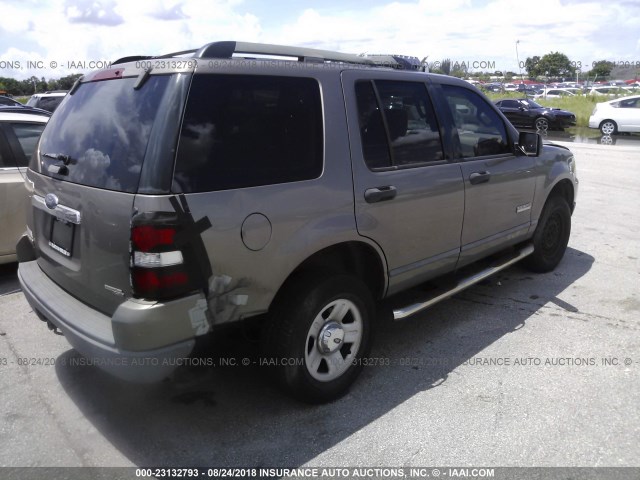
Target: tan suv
{"type": "Point", "coordinates": [173, 195]}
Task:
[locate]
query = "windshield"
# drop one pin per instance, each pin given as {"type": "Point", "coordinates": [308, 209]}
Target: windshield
{"type": "Point", "coordinates": [102, 132]}
{"type": "Point", "coordinates": [531, 103]}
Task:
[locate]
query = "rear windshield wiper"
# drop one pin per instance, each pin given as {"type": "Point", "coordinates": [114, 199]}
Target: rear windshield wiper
{"type": "Point", "coordinates": [58, 169]}
{"type": "Point", "coordinates": [66, 159]}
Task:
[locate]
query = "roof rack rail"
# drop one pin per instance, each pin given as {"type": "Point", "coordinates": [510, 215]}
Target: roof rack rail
{"type": "Point", "coordinates": [226, 49]}
{"type": "Point", "coordinates": [131, 58]}
{"type": "Point", "coordinates": [404, 62]}
{"type": "Point", "coordinates": [175, 54]}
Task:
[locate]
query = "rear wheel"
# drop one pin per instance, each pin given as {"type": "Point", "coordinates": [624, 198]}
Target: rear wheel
{"type": "Point", "coordinates": [319, 330]}
{"type": "Point", "coordinates": [608, 127]}
{"type": "Point", "coordinates": [551, 237]}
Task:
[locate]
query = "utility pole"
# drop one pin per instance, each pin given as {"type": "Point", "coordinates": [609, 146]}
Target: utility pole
{"type": "Point", "coordinates": [518, 59]}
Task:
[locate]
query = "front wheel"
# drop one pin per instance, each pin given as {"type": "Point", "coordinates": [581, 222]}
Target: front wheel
{"type": "Point", "coordinates": [319, 331]}
{"type": "Point", "coordinates": [542, 124]}
{"type": "Point", "coordinates": [551, 236]}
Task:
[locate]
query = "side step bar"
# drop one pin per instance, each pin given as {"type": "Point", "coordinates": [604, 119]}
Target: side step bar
{"type": "Point", "coordinates": [404, 312]}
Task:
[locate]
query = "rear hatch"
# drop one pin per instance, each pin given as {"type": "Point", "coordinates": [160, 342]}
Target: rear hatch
{"type": "Point", "coordinates": [86, 173]}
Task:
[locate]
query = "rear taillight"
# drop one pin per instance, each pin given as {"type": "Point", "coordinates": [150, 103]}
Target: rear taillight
{"type": "Point", "coordinates": [146, 237]}
{"type": "Point", "coordinates": [158, 269]}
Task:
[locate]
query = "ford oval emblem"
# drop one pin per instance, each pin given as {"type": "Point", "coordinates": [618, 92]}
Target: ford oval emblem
{"type": "Point", "coordinates": [51, 201]}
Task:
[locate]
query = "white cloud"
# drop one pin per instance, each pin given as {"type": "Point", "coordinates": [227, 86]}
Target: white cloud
{"type": "Point", "coordinates": [463, 30]}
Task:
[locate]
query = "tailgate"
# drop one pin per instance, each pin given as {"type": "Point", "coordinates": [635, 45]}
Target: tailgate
{"type": "Point", "coordinates": [85, 175]}
{"type": "Point", "coordinates": [83, 243]}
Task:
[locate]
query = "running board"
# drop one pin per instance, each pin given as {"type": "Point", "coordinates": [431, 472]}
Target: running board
{"type": "Point", "coordinates": [404, 312]}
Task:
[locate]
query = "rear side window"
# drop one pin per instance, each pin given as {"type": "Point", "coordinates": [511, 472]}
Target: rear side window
{"type": "Point", "coordinates": [50, 103]}
{"type": "Point", "coordinates": [244, 131]}
{"type": "Point", "coordinates": [398, 126]}
{"type": "Point", "coordinates": [509, 104]}
{"type": "Point", "coordinates": [104, 128]}
{"type": "Point", "coordinates": [27, 135]}
{"type": "Point", "coordinates": [480, 129]}
{"type": "Point", "coordinates": [631, 103]}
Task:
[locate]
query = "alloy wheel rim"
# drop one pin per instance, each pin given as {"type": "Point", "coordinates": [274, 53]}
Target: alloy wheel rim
{"type": "Point", "coordinates": [607, 128]}
{"type": "Point", "coordinates": [542, 124]}
{"type": "Point", "coordinates": [333, 340]}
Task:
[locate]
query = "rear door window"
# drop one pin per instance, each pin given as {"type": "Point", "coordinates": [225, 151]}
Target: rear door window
{"type": "Point", "coordinates": [104, 129]}
{"type": "Point", "coordinates": [249, 130]}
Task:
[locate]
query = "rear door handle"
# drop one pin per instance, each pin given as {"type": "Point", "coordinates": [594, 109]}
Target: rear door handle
{"type": "Point", "coordinates": [380, 194]}
{"type": "Point", "coordinates": [479, 177]}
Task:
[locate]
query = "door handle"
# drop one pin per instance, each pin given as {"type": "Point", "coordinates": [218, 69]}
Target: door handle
{"type": "Point", "coordinates": [380, 194]}
{"type": "Point", "coordinates": [479, 177]}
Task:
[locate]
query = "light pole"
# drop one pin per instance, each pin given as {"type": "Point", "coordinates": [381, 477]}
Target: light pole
{"type": "Point", "coordinates": [518, 59]}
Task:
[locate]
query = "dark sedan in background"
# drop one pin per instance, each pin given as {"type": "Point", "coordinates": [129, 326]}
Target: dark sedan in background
{"type": "Point", "coordinates": [526, 113]}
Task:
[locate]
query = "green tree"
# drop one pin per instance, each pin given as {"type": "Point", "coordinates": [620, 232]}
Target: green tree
{"type": "Point", "coordinates": [601, 69]}
{"type": "Point", "coordinates": [554, 64]}
{"type": "Point", "coordinates": [53, 85]}
{"type": "Point", "coordinates": [445, 66]}
{"type": "Point", "coordinates": [531, 66]}
{"type": "Point", "coordinates": [11, 85]}
{"type": "Point", "coordinates": [65, 83]}
{"type": "Point", "coordinates": [460, 70]}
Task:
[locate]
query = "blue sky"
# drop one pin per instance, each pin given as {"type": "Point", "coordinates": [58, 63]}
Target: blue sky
{"type": "Point", "coordinates": [54, 33]}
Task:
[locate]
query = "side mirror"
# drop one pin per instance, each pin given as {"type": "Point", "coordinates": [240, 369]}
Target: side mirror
{"type": "Point", "coordinates": [530, 144]}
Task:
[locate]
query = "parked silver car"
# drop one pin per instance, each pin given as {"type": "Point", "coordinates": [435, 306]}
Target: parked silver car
{"type": "Point", "coordinates": [174, 195]}
{"type": "Point", "coordinates": [19, 133]}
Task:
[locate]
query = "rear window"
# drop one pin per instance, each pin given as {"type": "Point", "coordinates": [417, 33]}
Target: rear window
{"type": "Point", "coordinates": [244, 131]}
{"type": "Point", "coordinates": [104, 128]}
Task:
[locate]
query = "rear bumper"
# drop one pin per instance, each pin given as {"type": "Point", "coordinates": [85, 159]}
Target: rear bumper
{"type": "Point", "coordinates": [91, 332]}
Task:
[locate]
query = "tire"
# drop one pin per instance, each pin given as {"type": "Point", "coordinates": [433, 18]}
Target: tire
{"type": "Point", "coordinates": [551, 236]}
{"type": "Point", "coordinates": [541, 123]}
{"type": "Point", "coordinates": [608, 127]}
{"type": "Point", "coordinates": [335, 307]}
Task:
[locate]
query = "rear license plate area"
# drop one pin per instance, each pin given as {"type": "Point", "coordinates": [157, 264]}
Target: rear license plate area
{"type": "Point", "coordinates": [61, 236]}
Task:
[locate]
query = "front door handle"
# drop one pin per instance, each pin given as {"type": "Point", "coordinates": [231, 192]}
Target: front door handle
{"type": "Point", "coordinates": [479, 177]}
{"type": "Point", "coordinates": [380, 194]}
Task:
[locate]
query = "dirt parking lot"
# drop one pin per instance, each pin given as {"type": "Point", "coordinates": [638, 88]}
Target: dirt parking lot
{"type": "Point", "coordinates": [521, 370]}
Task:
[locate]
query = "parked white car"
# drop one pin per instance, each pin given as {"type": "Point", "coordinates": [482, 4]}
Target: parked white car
{"type": "Point", "coordinates": [610, 91]}
{"type": "Point", "coordinates": [558, 93]}
{"type": "Point", "coordinates": [617, 116]}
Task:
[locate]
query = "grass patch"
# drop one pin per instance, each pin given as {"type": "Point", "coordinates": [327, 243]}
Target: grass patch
{"type": "Point", "coordinates": [580, 105]}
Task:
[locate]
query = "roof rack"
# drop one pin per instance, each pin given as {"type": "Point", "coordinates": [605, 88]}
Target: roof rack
{"type": "Point", "coordinates": [131, 58]}
{"type": "Point", "coordinates": [226, 49]}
